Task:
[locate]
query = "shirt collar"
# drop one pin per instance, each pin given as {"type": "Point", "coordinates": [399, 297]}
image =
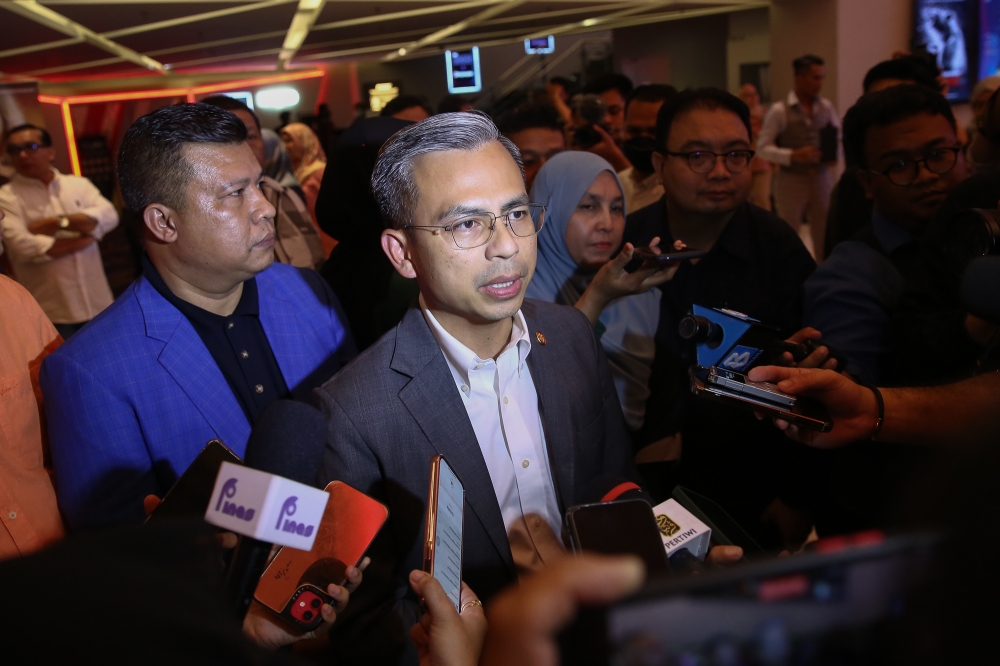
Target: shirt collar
{"type": "Point", "coordinates": [890, 236]}
{"type": "Point", "coordinates": [735, 238]}
{"type": "Point", "coordinates": [793, 99]}
{"type": "Point", "coordinates": [26, 179]}
{"type": "Point", "coordinates": [462, 359]}
{"type": "Point", "coordinates": [249, 301]}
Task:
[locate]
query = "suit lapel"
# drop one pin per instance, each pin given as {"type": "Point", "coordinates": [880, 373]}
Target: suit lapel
{"type": "Point", "coordinates": [433, 401]}
{"type": "Point", "coordinates": [187, 360]}
{"type": "Point", "coordinates": [555, 417]}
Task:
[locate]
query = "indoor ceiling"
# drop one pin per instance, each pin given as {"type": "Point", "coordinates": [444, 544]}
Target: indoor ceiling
{"type": "Point", "coordinates": [64, 40]}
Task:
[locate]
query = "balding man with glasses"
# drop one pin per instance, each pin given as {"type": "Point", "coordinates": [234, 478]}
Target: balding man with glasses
{"type": "Point", "coordinates": [756, 264]}
{"type": "Point", "coordinates": [53, 224]}
{"type": "Point", "coordinates": [515, 394]}
{"type": "Point", "coordinates": [903, 141]}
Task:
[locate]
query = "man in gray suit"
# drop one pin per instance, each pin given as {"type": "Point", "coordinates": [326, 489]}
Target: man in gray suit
{"type": "Point", "coordinates": [515, 394]}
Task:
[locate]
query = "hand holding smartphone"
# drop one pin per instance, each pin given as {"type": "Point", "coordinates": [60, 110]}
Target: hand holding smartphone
{"type": "Point", "coordinates": [443, 533]}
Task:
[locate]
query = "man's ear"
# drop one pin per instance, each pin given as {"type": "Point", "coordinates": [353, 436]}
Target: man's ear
{"type": "Point", "coordinates": [865, 179]}
{"type": "Point", "coordinates": [161, 222]}
{"type": "Point", "coordinates": [659, 161]}
{"type": "Point", "coordinates": [398, 247]}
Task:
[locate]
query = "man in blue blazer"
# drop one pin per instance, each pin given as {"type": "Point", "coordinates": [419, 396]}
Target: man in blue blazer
{"type": "Point", "coordinates": [208, 336]}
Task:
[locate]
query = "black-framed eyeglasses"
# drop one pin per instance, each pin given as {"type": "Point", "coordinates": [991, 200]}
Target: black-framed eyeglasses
{"type": "Point", "coordinates": [906, 172]}
{"type": "Point", "coordinates": [703, 161]}
{"type": "Point", "coordinates": [471, 231]}
{"type": "Point", "coordinates": [15, 149]}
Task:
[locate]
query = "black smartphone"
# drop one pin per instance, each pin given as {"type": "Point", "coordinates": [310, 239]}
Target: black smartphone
{"type": "Point", "coordinates": [822, 608]}
{"type": "Point", "coordinates": [303, 609]}
{"type": "Point", "coordinates": [806, 413]}
{"type": "Point", "coordinates": [669, 255]}
{"type": "Point", "coordinates": [190, 495]}
{"type": "Point", "coordinates": [627, 527]}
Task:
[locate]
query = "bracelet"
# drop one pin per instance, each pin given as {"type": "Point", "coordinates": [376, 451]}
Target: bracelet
{"type": "Point", "coordinates": [881, 412]}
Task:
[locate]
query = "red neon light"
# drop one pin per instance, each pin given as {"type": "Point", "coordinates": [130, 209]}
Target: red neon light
{"type": "Point", "coordinates": [74, 158]}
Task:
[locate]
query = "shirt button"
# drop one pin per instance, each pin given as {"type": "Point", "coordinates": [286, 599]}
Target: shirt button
{"type": "Point", "coordinates": [231, 324]}
{"type": "Point", "coordinates": [244, 354]}
{"type": "Point", "coordinates": [505, 402]}
{"type": "Point", "coordinates": [12, 515]}
{"type": "Point", "coordinates": [259, 388]}
{"type": "Point", "coordinates": [479, 367]}
{"type": "Point", "coordinates": [465, 389]}
{"type": "Point", "coordinates": [525, 463]}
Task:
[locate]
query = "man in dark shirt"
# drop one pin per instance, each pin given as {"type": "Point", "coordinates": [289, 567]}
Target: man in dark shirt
{"type": "Point", "coordinates": [209, 336]}
{"type": "Point", "coordinates": [756, 265]}
{"type": "Point", "coordinates": [903, 140]}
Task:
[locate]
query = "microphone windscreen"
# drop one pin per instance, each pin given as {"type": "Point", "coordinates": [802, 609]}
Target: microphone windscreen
{"type": "Point", "coordinates": [613, 488]}
{"type": "Point", "coordinates": [981, 289]}
{"type": "Point", "coordinates": [288, 440]}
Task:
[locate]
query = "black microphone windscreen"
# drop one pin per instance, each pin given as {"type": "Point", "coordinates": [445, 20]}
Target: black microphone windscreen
{"type": "Point", "coordinates": [981, 289]}
{"type": "Point", "coordinates": [288, 440]}
{"type": "Point", "coordinates": [611, 488]}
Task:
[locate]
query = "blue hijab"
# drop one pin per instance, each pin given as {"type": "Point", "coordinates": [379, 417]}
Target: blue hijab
{"type": "Point", "coordinates": [629, 322]}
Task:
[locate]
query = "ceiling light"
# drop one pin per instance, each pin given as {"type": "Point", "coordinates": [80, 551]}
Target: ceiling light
{"type": "Point", "coordinates": [278, 98]}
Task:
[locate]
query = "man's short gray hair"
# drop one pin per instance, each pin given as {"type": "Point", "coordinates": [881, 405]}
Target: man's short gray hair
{"type": "Point", "coordinates": [392, 180]}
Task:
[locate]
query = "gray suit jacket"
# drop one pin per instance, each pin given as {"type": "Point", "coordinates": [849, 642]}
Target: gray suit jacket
{"type": "Point", "coordinates": [396, 406]}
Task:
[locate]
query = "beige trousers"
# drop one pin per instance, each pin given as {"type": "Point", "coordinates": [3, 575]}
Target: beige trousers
{"type": "Point", "coordinates": [805, 199]}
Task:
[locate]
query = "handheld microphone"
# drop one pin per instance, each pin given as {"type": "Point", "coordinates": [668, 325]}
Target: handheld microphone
{"type": "Point", "coordinates": [287, 441]}
{"type": "Point", "coordinates": [981, 289]}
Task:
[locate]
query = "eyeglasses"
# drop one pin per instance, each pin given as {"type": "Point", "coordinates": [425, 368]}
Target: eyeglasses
{"type": "Point", "coordinates": [474, 230]}
{"type": "Point", "coordinates": [703, 161]}
{"type": "Point", "coordinates": [15, 149]}
{"type": "Point", "coordinates": [906, 172]}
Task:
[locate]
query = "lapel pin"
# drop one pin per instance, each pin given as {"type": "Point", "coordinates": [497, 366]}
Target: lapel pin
{"type": "Point", "coordinates": [540, 337]}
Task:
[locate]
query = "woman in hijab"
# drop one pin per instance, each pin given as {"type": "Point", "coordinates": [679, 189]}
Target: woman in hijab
{"type": "Point", "coordinates": [584, 223]}
{"type": "Point", "coordinates": [309, 162]}
{"type": "Point", "coordinates": [279, 164]}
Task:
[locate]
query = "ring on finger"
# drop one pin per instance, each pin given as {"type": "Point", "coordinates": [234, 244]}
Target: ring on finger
{"type": "Point", "coordinates": [470, 604]}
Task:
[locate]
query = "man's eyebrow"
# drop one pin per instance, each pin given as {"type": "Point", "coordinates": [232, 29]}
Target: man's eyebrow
{"type": "Point", "coordinates": [242, 182]}
{"type": "Point", "coordinates": [903, 152]}
{"type": "Point", "coordinates": [696, 144]}
{"type": "Point", "coordinates": [519, 200]}
{"type": "Point", "coordinates": [459, 210]}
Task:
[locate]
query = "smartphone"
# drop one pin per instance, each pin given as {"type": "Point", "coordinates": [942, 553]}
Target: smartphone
{"type": "Point", "coordinates": [738, 382]}
{"type": "Point", "coordinates": [189, 496]}
{"type": "Point", "coordinates": [807, 413]}
{"type": "Point", "coordinates": [811, 609]}
{"type": "Point", "coordinates": [618, 528]}
{"type": "Point", "coordinates": [303, 609]}
{"type": "Point", "coordinates": [349, 525]}
{"type": "Point", "coordinates": [668, 256]}
{"type": "Point", "coordinates": [444, 529]}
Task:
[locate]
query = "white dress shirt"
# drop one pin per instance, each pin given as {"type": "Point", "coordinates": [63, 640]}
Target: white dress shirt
{"type": "Point", "coordinates": [502, 404]}
{"type": "Point", "coordinates": [776, 121]}
{"type": "Point", "coordinates": [72, 288]}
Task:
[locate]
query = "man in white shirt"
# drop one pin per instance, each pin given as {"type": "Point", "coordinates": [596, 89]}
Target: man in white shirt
{"type": "Point", "coordinates": [515, 394]}
{"type": "Point", "coordinates": [52, 226]}
{"type": "Point", "coordinates": [802, 135]}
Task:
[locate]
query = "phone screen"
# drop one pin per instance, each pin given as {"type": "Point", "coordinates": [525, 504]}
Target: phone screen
{"type": "Point", "coordinates": [616, 528]}
{"type": "Point", "coordinates": [446, 564]}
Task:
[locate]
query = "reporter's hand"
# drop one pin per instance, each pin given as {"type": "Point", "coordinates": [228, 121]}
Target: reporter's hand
{"type": "Point", "coordinates": [819, 358]}
{"type": "Point", "coordinates": [524, 620]}
{"type": "Point", "coordinates": [444, 637]}
{"type": "Point", "coordinates": [613, 281]}
{"type": "Point", "coordinates": [806, 155]}
{"type": "Point", "coordinates": [852, 407]}
{"type": "Point", "coordinates": [724, 556]}
{"type": "Point", "coordinates": [609, 150]}
{"type": "Point", "coordinates": [265, 628]}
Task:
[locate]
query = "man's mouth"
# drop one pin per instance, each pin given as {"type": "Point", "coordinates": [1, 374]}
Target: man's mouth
{"type": "Point", "coordinates": [503, 287]}
{"type": "Point", "coordinates": [266, 241]}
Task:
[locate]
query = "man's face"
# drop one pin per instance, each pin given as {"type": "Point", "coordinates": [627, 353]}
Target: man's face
{"type": "Point", "coordinates": [537, 146]}
{"type": "Point", "coordinates": [30, 163]}
{"type": "Point", "coordinates": [810, 83]}
{"type": "Point", "coordinates": [749, 95]}
{"type": "Point", "coordinates": [719, 191]}
{"type": "Point", "coordinates": [254, 139]}
{"type": "Point", "coordinates": [913, 138]}
{"type": "Point", "coordinates": [225, 228]}
{"type": "Point", "coordinates": [640, 119]}
{"type": "Point", "coordinates": [614, 118]}
{"type": "Point", "coordinates": [482, 284]}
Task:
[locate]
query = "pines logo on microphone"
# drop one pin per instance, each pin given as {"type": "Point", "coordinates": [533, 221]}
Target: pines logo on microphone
{"type": "Point", "coordinates": [267, 507]}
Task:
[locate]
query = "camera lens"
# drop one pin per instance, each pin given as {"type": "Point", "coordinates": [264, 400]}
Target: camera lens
{"type": "Point", "coordinates": [700, 330]}
{"type": "Point", "coordinates": [316, 603]}
{"type": "Point", "coordinates": [307, 615]}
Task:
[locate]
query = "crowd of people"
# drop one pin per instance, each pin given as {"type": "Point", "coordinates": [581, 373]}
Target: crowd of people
{"type": "Point", "coordinates": [447, 283]}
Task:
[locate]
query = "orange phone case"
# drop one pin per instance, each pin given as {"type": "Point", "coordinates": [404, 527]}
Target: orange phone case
{"type": "Point", "coordinates": [350, 522]}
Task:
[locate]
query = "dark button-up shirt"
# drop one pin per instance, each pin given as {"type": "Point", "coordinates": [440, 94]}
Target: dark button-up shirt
{"type": "Point", "coordinates": [236, 342]}
{"type": "Point", "coordinates": [757, 267]}
{"type": "Point", "coordinates": [852, 296]}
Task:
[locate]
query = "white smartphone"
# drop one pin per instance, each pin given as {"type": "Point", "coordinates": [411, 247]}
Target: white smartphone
{"type": "Point", "coordinates": [444, 530]}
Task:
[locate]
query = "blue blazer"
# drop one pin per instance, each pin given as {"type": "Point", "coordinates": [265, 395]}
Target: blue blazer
{"type": "Point", "coordinates": [134, 396]}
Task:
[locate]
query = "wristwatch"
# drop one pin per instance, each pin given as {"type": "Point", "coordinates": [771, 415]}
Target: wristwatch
{"type": "Point", "coordinates": [63, 222]}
